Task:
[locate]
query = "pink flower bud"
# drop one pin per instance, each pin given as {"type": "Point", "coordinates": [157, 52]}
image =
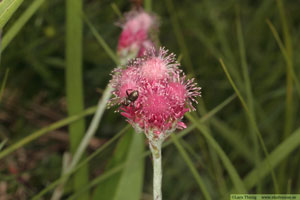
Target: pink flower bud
{"type": "Point", "coordinates": [134, 39]}
{"type": "Point", "coordinates": [153, 93]}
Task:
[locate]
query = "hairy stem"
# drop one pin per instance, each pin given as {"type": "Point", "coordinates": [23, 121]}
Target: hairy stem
{"type": "Point", "coordinates": [155, 147]}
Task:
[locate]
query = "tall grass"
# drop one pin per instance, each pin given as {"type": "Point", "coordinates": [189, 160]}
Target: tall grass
{"type": "Point", "coordinates": [74, 84]}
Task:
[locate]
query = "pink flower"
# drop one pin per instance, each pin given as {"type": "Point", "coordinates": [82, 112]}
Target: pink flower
{"type": "Point", "coordinates": [153, 93]}
{"type": "Point", "coordinates": [134, 39]}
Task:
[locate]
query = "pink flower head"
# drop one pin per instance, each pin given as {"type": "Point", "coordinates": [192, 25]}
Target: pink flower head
{"type": "Point", "coordinates": [134, 39]}
{"type": "Point", "coordinates": [153, 93]}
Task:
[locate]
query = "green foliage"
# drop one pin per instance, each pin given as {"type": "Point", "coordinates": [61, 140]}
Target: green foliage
{"type": "Point", "coordinates": [230, 145]}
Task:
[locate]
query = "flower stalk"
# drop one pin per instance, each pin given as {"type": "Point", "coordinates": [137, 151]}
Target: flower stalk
{"type": "Point", "coordinates": [155, 147]}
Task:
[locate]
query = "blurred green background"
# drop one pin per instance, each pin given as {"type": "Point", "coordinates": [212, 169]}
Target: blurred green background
{"type": "Point", "coordinates": [200, 33]}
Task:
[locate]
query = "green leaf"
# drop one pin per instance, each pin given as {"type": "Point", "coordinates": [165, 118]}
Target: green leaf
{"type": "Point", "coordinates": [106, 189]}
{"type": "Point", "coordinates": [133, 173]}
{"type": "Point", "coordinates": [7, 9]}
{"type": "Point", "coordinates": [116, 187]}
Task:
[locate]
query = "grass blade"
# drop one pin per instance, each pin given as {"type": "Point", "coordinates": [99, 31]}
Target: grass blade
{"type": "Point", "coordinates": [233, 138]}
{"type": "Point", "coordinates": [88, 135]}
{"type": "Point", "coordinates": [238, 183]}
{"type": "Point", "coordinates": [3, 84]}
{"type": "Point", "coordinates": [285, 55]}
{"type": "Point", "coordinates": [74, 84]}
{"type": "Point", "coordinates": [234, 86]}
{"type": "Point", "coordinates": [277, 155]}
{"type": "Point", "coordinates": [117, 187]}
{"type": "Point", "coordinates": [116, 10]}
{"type": "Point", "coordinates": [7, 9]}
{"type": "Point", "coordinates": [2, 144]}
{"type": "Point", "coordinates": [244, 65]}
{"type": "Point", "coordinates": [45, 130]}
{"type": "Point", "coordinates": [93, 127]}
{"type": "Point", "coordinates": [133, 172]}
{"type": "Point", "coordinates": [289, 79]}
{"type": "Point", "coordinates": [289, 101]}
{"type": "Point", "coordinates": [180, 37]}
{"type": "Point", "coordinates": [249, 95]}
{"type": "Point", "coordinates": [0, 44]}
{"type": "Point", "coordinates": [107, 189]}
{"type": "Point", "coordinates": [193, 169]}
{"type": "Point", "coordinates": [253, 123]}
{"type": "Point", "coordinates": [101, 41]}
{"type": "Point", "coordinates": [220, 30]}
{"type": "Point", "coordinates": [22, 20]}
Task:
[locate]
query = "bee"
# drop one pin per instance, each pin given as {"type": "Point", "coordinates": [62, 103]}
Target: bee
{"type": "Point", "coordinates": [131, 97]}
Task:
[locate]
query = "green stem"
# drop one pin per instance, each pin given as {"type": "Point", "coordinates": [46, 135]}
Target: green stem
{"type": "Point", "coordinates": [74, 85]}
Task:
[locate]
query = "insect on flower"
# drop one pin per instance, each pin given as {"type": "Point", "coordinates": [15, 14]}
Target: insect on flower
{"type": "Point", "coordinates": [131, 97]}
